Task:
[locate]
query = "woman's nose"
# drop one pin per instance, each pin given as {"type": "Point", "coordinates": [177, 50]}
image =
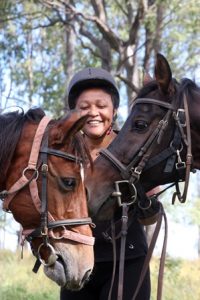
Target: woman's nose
{"type": "Point", "coordinates": [93, 111]}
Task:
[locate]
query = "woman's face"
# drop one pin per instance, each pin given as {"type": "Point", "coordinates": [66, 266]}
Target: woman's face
{"type": "Point", "coordinates": [99, 106]}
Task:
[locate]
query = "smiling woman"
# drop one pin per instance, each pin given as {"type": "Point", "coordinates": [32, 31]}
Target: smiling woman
{"type": "Point", "coordinates": [97, 103]}
{"type": "Point", "coordinates": [94, 92]}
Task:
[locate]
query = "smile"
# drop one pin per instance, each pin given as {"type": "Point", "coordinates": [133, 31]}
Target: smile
{"type": "Point", "coordinates": [95, 122]}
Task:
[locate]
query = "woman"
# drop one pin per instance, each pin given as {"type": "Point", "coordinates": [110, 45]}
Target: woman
{"type": "Point", "coordinates": [93, 90]}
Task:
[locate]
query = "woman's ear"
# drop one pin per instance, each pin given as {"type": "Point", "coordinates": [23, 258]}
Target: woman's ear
{"type": "Point", "coordinates": [114, 114]}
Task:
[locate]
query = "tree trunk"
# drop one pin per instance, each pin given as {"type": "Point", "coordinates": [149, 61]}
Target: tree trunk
{"type": "Point", "coordinates": [70, 42]}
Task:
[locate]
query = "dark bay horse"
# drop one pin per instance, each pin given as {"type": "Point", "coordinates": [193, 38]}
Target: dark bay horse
{"type": "Point", "coordinates": [158, 144]}
{"type": "Point", "coordinates": [42, 184]}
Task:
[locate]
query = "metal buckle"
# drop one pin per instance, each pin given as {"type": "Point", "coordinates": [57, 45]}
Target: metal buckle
{"type": "Point", "coordinates": [44, 168]}
{"type": "Point", "coordinates": [180, 115]}
{"type": "Point", "coordinates": [119, 194]}
{"type": "Point", "coordinates": [180, 164]}
{"type": "Point", "coordinates": [135, 173]}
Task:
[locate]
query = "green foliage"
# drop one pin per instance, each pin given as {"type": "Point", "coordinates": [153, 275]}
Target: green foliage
{"type": "Point", "coordinates": [181, 40]}
{"type": "Point", "coordinates": [33, 44]}
{"type": "Point", "coordinates": [181, 279]}
{"type": "Point", "coordinates": [18, 282]}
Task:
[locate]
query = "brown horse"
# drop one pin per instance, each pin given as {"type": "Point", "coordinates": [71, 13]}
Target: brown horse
{"type": "Point", "coordinates": [156, 143]}
{"type": "Point", "coordinates": [41, 167]}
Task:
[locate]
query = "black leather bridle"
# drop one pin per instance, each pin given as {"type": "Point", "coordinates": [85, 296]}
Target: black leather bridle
{"type": "Point", "coordinates": [142, 161]}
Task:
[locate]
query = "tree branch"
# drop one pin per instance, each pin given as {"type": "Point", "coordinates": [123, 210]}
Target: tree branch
{"type": "Point", "coordinates": [122, 8]}
{"type": "Point", "coordinates": [99, 8]}
{"type": "Point", "coordinates": [107, 32]}
{"type": "Point", "coordinates": [135, 25]}
{"type": "Point", "coordinates": [128, 82]}
{"type": "Point", "coordinates": [90, 36]}
{"type": "Point", "coordinates": [90, 49]}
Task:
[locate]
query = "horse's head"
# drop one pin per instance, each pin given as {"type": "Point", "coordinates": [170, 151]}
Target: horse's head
{"type": "Point", "coordinates": [46, 194]}
{"type": "Point", "coordinates": [152, 143]}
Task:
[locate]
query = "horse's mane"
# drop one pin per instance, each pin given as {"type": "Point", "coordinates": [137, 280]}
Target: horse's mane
{"type": "Point", "coordinates": [11, 125]}
{"type": "Point", "coordinates": [187, 85]}
{"type": "Point", "coordinates": [147, 88]}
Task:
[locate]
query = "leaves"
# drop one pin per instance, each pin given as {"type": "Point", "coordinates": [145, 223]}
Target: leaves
{"type": "Point", "coordinates": [43, 42]}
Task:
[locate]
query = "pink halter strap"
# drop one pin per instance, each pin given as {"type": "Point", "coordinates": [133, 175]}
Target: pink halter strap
{"type": "Point", "coordinates": [32, 165]}
{"type": "Point", "coordinates": [32, 182]}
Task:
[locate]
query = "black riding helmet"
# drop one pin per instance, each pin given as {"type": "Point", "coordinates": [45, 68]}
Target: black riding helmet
{"type": "Point", "coordinates": [88, 78]}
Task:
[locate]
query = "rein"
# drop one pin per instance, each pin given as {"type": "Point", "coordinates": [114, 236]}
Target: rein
{"type": "Point", "coordinates": [47, 223]}
{"type": "Point", "coordinates": [131, 175]}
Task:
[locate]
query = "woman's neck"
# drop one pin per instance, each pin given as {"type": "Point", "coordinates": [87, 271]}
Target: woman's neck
{"type": "Point", "coordinates": [96, 144]}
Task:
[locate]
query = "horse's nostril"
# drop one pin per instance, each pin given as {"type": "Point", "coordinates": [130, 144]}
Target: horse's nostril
{"type": "Point", "coordinates": [86, 276]}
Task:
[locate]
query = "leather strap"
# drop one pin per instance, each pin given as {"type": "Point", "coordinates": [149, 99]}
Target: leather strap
{"type": "Point", "coordinates": [122, 250]}
{"type": "Point", "coordinates": [182, 198]}
{"type": "Point", "coordinates": [32, 165]}
{"type": "Point", "coordinates": [149, 255]}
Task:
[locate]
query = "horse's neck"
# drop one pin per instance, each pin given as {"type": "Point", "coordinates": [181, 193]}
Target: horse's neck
{"type": "Point", "coordinates": [194, 112]}
{"type": "Point", "coordinates": [196, 149]}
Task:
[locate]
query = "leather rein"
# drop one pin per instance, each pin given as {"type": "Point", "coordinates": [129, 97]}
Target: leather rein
{"type": "Point", "coordinates": [47, 223]}
{"type": "Point", "coordinates": [131, 175]}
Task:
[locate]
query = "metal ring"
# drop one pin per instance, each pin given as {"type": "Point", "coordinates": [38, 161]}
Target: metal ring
{"type": "Point", "coordinates": [52, 255]}
{"type": "Point", "coordinates": [35, 174]}
{"type": "Point", "coordinates": [53, 234]}
{"type": "Point", "coordinates": [174, 149]}
{"type": "Point", "coordinates": [145, 208]}
{"type": "Point", "coordinates": [134, 197]}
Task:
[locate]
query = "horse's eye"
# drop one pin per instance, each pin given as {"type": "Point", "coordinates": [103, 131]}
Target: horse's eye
{"type": "Point", "coordinates": [67, 183]}
{"type": "Point", "coordinates": [140, 125]}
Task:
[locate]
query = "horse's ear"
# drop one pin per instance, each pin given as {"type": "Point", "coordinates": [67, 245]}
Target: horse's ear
{"type": "Point", "coordinates": [163, 73]}
{"type": "Point", "coordinates": [147, 78]}
{"type": "Point", "coordinates": [67, 127]}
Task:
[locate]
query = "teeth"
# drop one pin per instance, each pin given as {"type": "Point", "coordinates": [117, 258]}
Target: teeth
{"type": "Point", "coordinates": [94, 122]}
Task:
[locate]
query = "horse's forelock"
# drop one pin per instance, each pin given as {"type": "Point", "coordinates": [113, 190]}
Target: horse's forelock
{"type": "Point", "coordinates": [146, 89]}
{"type": "Point", "coordinates": [81, 148]}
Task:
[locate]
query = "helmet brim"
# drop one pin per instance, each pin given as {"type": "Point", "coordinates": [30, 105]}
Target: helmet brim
{"type": "Point", "coordinates": [91, 83]}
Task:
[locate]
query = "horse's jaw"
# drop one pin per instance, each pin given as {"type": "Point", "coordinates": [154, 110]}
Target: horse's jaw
{"type": "Point", "coordinates": [73, 267]}
{"type": "Point", "coordinates": [101, 204]}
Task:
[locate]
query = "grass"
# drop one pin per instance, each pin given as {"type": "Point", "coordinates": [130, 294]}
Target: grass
{"type": "Point", "coordinates": [181, 279]}
{"type": "Point", "coordinates": [18, 282]}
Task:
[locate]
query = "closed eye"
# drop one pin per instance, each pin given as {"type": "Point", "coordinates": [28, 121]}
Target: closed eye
{"type": "Point", "coordinates": [140, 125]}
{"type": "Point", "coordinates": [67, 183]}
